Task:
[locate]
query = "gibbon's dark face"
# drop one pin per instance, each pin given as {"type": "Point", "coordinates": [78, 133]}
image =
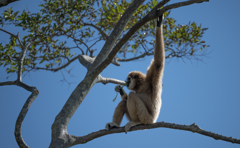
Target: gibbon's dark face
{"type": "Point", "coordinates": [128, 81]}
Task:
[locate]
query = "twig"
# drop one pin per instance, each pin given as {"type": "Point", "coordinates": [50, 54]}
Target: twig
{"type": "Point", "coordinates": [16, 36]}
{"type": "Point", "coordinates": [136, 58]}
{"type": "Point", "coordinates": [20, 65]}
{"type": "Point", "coordinates": [104, 35]}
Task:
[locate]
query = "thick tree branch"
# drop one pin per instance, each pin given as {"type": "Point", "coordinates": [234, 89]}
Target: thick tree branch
{"type": "Point", "coordinates": [192, 128]}
{"type": "Point", "coordinates": [110, 80]}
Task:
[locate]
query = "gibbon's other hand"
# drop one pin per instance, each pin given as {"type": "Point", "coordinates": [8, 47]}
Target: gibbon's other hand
{"type": "Point", "coordinates": [118, 88]}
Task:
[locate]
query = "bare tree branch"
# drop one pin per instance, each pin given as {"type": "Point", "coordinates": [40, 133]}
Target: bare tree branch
{"type": "Point", "coordinates": [104, 35]}
{"type": "Point", "coordinates": [192, 128]}
{"type": "Point", "coordinates": [20, 65]}
{"type": "Point", "coordinates": [135, 58]}
{"type": "Point", "coordinates": [85, 60]}
{"type": "Point", "coordinates": [58, 68]}
{"type": "Point", "coordinates": [8, 33]}
{"type": "Point", "coordinates": [180, 4]}
{"type": "Point", "coordinates": [179, 54]}
{"type": "Point", "coordinates": [16, 36]}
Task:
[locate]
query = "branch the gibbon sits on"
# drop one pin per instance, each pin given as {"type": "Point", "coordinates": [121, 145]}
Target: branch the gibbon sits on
{"type": "Point", "coordinates": [143, 104]}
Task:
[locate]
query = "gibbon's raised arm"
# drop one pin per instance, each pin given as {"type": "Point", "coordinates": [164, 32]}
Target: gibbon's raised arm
{"type": "Point", "coordinates": [159, 55]}
{"type": "Point", "coordinates": [155, 70]}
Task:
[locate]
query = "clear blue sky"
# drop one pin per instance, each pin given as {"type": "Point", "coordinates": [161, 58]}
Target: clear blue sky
{"type": "Point", "coordinates": [205, 93]}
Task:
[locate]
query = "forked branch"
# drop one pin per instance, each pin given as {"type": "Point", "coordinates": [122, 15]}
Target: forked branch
{"type": "Point", "coordinates": [18, 82]}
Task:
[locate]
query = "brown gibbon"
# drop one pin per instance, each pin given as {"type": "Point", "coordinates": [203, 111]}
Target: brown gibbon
{"type": "Point", "coordinates": [143, 104]}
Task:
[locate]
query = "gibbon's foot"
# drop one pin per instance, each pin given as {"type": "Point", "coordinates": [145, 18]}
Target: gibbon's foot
{"type": "Point", "coordinates": [159, 19]}
{"type": "Point", "coordinates": [129, 125]}
{"type": "Point", "coordinates": [111, 125]}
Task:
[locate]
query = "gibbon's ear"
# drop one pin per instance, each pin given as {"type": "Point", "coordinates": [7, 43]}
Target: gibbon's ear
{"type": "Point", "coordinates": [159, 19]}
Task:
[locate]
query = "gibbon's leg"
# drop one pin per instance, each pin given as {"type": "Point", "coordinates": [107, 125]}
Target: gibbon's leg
{"type": "Point", "coordinates": [137, 109]}
{"type": "Point", "coordinates": [120, 110]}
{"type": "Point", "coordinates": [129, 125]}
{"type": "Point", "coordinates": [124, 96]}
{"type": "Point", "coordinates": [138, 112]}
{"type": "Point", "coordinates": [118, 115]}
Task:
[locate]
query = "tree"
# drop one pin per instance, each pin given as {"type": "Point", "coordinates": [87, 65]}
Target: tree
{"type": "Point", "coordinates": [60, 18]}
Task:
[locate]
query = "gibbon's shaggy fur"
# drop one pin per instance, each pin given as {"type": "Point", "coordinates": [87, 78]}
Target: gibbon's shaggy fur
{"type": "Point", "coordinates": [143, 104]}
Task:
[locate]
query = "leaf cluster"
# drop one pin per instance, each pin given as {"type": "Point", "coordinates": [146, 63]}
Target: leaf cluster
{"type": "Point", "coordinates": [64, 28]}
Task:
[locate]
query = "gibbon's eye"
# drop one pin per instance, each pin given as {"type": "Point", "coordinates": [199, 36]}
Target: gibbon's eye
{"type": "Point", "coordinates": [135, 77]}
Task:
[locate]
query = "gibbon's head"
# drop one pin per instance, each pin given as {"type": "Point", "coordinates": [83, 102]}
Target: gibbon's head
{"type": "Point", "coordinates": [134, 80]}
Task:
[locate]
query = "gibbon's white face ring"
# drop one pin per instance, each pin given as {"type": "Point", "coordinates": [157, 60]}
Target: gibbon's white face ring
{"type": "Point", "coordinates": [130, 83]}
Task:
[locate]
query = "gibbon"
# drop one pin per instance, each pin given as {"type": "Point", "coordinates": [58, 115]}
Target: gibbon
{"type": "Point", "coordinates": [143, 104]}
